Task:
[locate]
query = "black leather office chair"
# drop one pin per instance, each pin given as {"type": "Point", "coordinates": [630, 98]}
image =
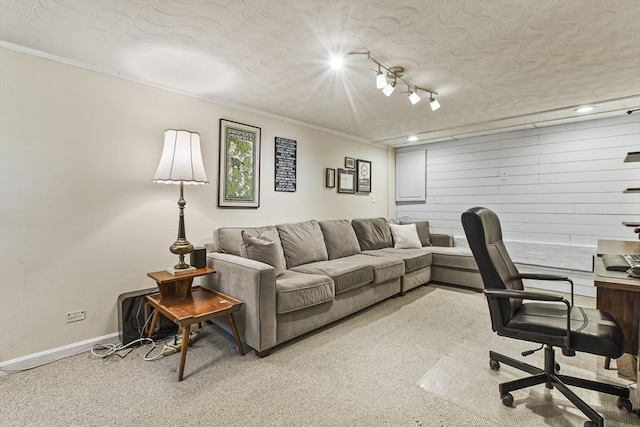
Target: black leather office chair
{"type": "Point", "coordinates": [551, 321]}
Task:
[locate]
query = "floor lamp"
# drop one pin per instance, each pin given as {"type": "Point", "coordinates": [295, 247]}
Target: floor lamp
{"type": "Point", "coordinates": [181, 163]}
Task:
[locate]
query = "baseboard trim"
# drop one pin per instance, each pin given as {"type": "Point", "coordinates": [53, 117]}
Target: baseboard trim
{"type": "Point", "coordinates": [42, 358]}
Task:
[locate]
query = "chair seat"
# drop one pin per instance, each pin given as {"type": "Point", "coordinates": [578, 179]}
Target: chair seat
{"type": "Point", "coordinates": [592, 331]}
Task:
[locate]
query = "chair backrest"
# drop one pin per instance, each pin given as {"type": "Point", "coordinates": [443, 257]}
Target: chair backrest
{"type": "Point", "coordinates": [484, 234]}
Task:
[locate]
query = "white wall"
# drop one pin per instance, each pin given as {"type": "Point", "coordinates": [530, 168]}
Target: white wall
{"type": "Point", "coordinates": [562, 192]}
{"type": "Point", "coordinates": [81, 222]}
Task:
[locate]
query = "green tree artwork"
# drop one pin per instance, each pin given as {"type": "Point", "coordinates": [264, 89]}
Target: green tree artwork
{"type": "Point", "coordinates": [239, 165]}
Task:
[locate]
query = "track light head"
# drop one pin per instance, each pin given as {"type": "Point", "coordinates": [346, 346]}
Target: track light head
{"type": "Point", "coordinates": [413, 97]}
{"type": "Point", "coordinates": [381, 80]}
{"type": "Point", "coordinates": [434, 103]}
{"type": "Point", "coordinates": [388, 89]}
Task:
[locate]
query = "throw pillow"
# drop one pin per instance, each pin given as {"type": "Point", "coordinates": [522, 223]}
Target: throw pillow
{"type": "Point", "coordinates": [423, 231]}
{"type": "Point", "coordinates": [405, 236]}
{"type": "Point", "coordinates": [265, 248]}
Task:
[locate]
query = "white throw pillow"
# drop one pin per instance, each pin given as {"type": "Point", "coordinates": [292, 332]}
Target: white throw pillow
{"type": "Point", "coordinates": [405, 236]}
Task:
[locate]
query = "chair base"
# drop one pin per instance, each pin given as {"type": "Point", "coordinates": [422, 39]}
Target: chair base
{"type": "Point", "coordinates": [551, 379]}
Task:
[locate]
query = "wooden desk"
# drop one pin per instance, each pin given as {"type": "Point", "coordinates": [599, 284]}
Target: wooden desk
{"type": "Point", "coordinates": [616, 292]}
{"type": "Point", "coordinates": [200, 305]}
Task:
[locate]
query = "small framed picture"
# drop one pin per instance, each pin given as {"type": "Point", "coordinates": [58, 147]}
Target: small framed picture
{"type": "Point", "coordinates": [349, 163]}
{"type": "Point", "coordinates": [364, 176]}
{"type": "Point", "coordinates": [346, 181]}
{"type": "Point", "coordinates": [330, 178]}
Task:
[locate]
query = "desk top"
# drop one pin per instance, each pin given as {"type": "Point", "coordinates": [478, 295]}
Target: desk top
{"type": "Point", "coordinates": [618, 247]}
{"type": "Point", "coordinates": [613, 279]}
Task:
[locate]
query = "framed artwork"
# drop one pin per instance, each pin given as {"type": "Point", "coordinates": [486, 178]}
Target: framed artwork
{"type": "Point", "coordinates": [330, 178]}
{"type": "Point", "coordinates": [346, 181]}
{"type": "Point", "coordinates": [285, 164]}
{"type": "Point", "coordinates": [349, 163]}
{"type": "Point", "coordinates": [364, 176]}
{"type": "Point", "coordinates": [239, 173]}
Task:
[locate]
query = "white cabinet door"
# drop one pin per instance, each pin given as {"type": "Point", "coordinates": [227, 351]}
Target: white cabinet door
{"type": "Point", "coordinates": [410, 176]}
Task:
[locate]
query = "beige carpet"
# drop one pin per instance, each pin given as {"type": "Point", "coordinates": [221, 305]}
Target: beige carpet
{"type": "Point", "coordinates": [417, 360]}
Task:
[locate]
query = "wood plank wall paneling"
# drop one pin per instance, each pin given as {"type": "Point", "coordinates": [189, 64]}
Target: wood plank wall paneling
{"type": "Point", "coordinates": [562, 192]}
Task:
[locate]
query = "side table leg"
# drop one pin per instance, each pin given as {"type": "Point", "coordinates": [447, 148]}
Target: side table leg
{"type": "Point", "coordinates": [154, 321]}
{"type": "Point", "coordinates": [183, 352]}
{"type": "Point", "coordinates": [232, 323]}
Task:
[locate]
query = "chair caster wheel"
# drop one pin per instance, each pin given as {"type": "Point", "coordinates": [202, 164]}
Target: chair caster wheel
{"type": "Point", "coordinates": [507, 399]}
{"type": "Point", "coordinates": [494, 365]}
{"type": "Point", "coordinates": [557, 367]}
{"type": "Point", "coordinates": [625, 403]}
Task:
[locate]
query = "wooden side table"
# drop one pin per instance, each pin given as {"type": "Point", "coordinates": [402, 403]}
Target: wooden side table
{"type": "Point", "coordinates": [199, 305]}
{"type": "Point", "coordinates": [179, 284]}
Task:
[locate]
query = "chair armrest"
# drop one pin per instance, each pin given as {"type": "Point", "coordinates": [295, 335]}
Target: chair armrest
{"type": "Point", "coordinates": [551, 277]}
{"type": "Point", "coordinates": [535, 296]}
{"type": "Point", "coordinates": [512, 293]}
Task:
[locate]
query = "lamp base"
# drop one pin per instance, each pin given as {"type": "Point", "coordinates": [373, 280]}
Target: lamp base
{"type": "Point", "coordinates": [178, 272]}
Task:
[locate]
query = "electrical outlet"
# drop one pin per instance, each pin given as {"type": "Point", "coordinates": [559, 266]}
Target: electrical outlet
{"type": "Point", "coordinates": [373, 197]}
{"type": "Point", "coordinates": [75, 316]}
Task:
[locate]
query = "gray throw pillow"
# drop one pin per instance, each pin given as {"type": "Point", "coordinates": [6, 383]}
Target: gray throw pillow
{"type": "Point", "coordinates": [339, 238]}
{"type": "Point", "coordinates": [302, 243]}
{"type": "Point", "coordinates": [372, 233]}
{"type": "Point", "coordinates": [266, 248]}
{"type": "Point", "coordinates": [423, 231]}
{"type": "Point", "coordinates": [229, 239]}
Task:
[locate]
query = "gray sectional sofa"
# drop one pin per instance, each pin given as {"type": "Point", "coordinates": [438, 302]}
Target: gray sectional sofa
{"type": "Point", "coordinates": [294, 278]}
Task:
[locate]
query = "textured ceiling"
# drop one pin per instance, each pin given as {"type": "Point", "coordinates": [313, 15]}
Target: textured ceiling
{"type": "Point", "coordinates": [495, 64]}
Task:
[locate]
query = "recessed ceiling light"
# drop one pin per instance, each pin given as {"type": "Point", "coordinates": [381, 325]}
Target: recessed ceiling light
{"type": "Point", "coordinates": [584, 109]}
{"type": "Point", "coordinates": [412, 138]}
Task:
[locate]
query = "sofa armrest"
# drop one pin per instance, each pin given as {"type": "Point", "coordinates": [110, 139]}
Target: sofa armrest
{"type": "Point", "coordinates": [442, 240]}
{"type": "Point", "coordinates": [254, 284]}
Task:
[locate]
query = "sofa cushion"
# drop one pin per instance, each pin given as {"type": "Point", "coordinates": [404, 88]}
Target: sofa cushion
{"type": "Point", "coordinates": [414, 259]}
{"type": "Point", "coordinates": [295, 291]}
{"type": "Point", "coordinates": [372, 233]}
{"type": "Point", "coordinates": [302, 243]}
{"type": "Point", "coordinates": [229, 239]}
{"type": "Point", "coordinates": [455, 257]}
{"type": "Point", "coordinates": [339, 238]}
{"type": "Point", "coordinates": [266, 248]}
{"type": "Point", "coordinates": [405, 236]}
{"type": "Point", "coordinates": [423, 231]}
{"type": "Point", "coordinates": [347, 273]}
{"type": "Point", "coordinates": [384, 268]}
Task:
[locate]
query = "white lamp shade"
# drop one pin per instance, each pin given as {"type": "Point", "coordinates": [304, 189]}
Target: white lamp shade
{"type": "Point", "coordinates": [414, 98]}
{"type": "Point", "coordinates": [434, 104]}
{"type": "Point", "coordinates": [381, 81]}
{"type": "Point", "coordinates": [388, 89]}
{"type": "Point", "coordinates": [181, 159]}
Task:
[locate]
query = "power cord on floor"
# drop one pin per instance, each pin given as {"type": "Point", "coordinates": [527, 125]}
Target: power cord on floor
{"type": "Point", "coordinates": [114, 349]}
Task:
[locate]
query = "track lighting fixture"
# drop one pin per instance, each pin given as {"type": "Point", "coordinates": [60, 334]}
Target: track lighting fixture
{"type": "Point", "coordinates": [389, 82]}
